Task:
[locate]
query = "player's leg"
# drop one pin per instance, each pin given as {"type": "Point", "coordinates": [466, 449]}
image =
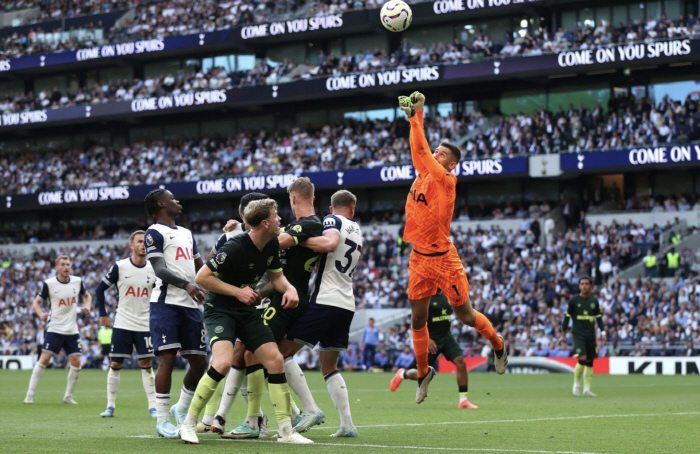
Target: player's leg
{"type": "Point", "coordinates": [338, 391]}
{"type": "Point", "coordinates": [193, 338]}
{"type": "Point", "coordinates": [222, 357]}
{"type": "Point", "coordinates": [164, 320]}
{"type": "Point", "coordinates": [233, 384]}
{"type": "Point", "coordinates": [455, 285]}
{"type": "Point", "coordinates": [113, 379]}
{"type": "Point", "coordinates": [209, 416]}
{"type": "Point", "coordinates": [141, 340]}
{"type": "Point", "coordinates": [296, 379]}
{"type": "Point", "coordinates": [72, 349]}
{"type": "Point", "coordinates": [271, 358]}
{"type": "Point", "coordinates": [462, 382]}
{"type": "Point", "coordinates": [39, 369]}
{"type": "Point", "coordinates": [591, 354]}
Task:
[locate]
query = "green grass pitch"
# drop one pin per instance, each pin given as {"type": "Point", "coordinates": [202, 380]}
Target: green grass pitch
{"type": "Point", "coordinates": [517, 414]}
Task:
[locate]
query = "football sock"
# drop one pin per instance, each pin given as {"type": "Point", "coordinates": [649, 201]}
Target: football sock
{"type": "Point", "coordinates": [339, 395]}
{"type": "Point", "coordinates": [256, 385]}
{"type": "Point", "coordinates": [297, 381]}
{"type": "Point", "coordinates": [421, 340]}
{"type": "Point", "coordinates": [163, 406]}
{"type": "Point", "coordinates": [403, 373]}
{"type": "Point", "coordinates": [149, 385]}
{"type": "Point", "coordinates": [37, 373]}
{"type": "Point", "coordinates": [205, 390]}
{"type": "Point", "coordinates": [463, 391]}
{"type": "Point", "coordinates": [73, 375]}
{"type": "Point", "coordinates": [185, 398]}
{"type": "Point", "coordinates": [587, 376]}
{"type": "Point", "coordinates": [279, 394]}
{"type": "Point", "coordinates": [213, 404]}
{"type": "Point", "coordinates": [484, 327]}
{"type": "Point", "coordinates": [233, 384]}
{"type": "Point", "coordinates": [112, 386]}
{"type": "Point", "coordinates": [244, 389]}
{"type": "Point", "coordinates": [578, 373]}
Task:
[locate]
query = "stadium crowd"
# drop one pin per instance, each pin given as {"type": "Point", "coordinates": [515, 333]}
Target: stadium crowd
{"type": "Point", "coordinates": [342, 146]}
{"type": "Point", "coordinates": [522, 286]}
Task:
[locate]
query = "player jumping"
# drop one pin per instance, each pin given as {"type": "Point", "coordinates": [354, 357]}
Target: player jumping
{"type": "Point", "coordinates": [134, 278]}
{"type": "Point", "coordinates": [441, 341]}
{"type": "Point", "coordinates": [175, 321]}
{"type": "Point", "coordinates": [63, 293]}
{"type": "Point", "coordinates": [434, 262]}
{"type": "Point", "coordinates": [583, 311]}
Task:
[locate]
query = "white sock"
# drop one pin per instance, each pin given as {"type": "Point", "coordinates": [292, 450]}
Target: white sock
{"type": "Point", "coordinates": [112, 386]}
{"type": "Point", "coordinates": [149, 385]}
{"type": "Point", "coordinates": [339, 396]}
{"type": "Point", "coordinates": [191, 419]}
{"type": "Point", "coordinates": [234, 380]}
{"type": "Point", "coordinates": [285, 428]}
{"type": "Point", "coordinates": [297, 381]}
{"type": "Point", "coordinates": [185, 399]}
{"type": "Point", "coordinates": [252, 421]}
{"type": "Point", "coordinates": [208, 420]}
{"type": "Point", "coordinates": [38, 371]}
{"type": "Point", "coordinates": [163, 406]}
{"type": "Point", "coordinates": [73, 375]}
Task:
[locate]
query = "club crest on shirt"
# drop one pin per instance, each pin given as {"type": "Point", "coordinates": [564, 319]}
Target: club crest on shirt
{"type": "Point", "coordinates": [220, 257]}
{"type": "Point", "coordinates": [219, 329]}
{"type": "Point", "coordinates": [149, 239]}
{"type": "Point", "coordinates": [297, 228]}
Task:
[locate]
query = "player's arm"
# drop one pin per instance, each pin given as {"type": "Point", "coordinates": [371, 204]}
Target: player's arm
{"type": "Point", "coordinates": [565, 322]}
{"type": "Point", "coordinates": [416, 121]}
{"type": "Point", "coordinates": [86, 297]}
{"type": "Point", "coordinates": [300, 232]}
{"type": "Point", "coordinates": [198, 263]}
{"type": "Point", "coordinates": [325, 243]}
{"type": "Point", "coordinates": [36, 305]}
{"type": "Point", "coordinates": [110, 279]}
{"type": "Point", "coordinates": [599, 321]}
{"type": "Point", "coordinates": [290, 298]}
{"type": "Point", "coordinates": [209, 280]}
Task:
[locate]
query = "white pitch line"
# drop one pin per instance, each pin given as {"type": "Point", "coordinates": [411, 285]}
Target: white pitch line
{"type": "Point", "coordinates": [432, 448]}
{"type": "Point", "coordinates": [497, 421]}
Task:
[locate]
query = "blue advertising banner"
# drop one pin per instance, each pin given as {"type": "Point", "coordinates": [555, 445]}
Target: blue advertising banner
{"type": "Point", "coordinates": [635, 157]}
{"type": "Point", "coordinates": [235, 185]}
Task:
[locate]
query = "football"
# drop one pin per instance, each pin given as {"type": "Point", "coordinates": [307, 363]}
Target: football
{"type": "Point", "coordinates": [396, 15]}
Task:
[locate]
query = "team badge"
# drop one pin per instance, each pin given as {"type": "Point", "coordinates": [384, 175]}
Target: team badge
{"type": "Point", "coordinates": [219, 329]}
{"type": "Point", "coordinates": [592, 305]}
{"type": "Point", "coordinates": [149, 239]}
{"type": "Point", "coordinates": [220, 257]}
{"type": "Point", "coordinates": [297, 228]}
{"type": "Point", "coordinates": [269, 260]}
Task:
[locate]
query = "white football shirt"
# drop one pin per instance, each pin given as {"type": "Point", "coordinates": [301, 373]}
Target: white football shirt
{"type": "Point", "coordinates": [332, 285]}
{"type": "Point", "coordinates": [179, 249]}
{"type": "Point", "coordinates": [134, 284]}
{"type": "Point", "coordinates": [63, 298]}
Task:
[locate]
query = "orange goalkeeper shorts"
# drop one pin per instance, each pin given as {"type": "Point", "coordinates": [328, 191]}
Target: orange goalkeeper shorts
{"type": "Point", "coordinates": [445, 271]}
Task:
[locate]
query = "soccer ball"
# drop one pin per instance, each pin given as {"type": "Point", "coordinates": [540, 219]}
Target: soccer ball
{"type": "Point", "coordinates": [396, 15]}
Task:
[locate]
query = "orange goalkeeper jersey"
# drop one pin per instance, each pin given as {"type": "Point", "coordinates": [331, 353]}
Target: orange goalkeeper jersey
{"type": "Point", "coordinates": [431, 202]}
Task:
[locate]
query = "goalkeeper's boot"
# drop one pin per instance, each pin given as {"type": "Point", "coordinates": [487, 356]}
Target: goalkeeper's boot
{"type": "Point", "coordinates": [396, 381]}
{"type": "Point", "coordinates": [501, 362]}
{"type": "Point", "coordinates": [423, 383]}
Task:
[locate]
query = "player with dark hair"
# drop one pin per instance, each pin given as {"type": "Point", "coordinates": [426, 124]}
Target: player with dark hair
{"type": "Point", "coordinates": [134, 278]}
{"type": "Point", "coordinates": [584, 313]}
{"type": "Point", "coordinates": [441, 342]}
{"type": "Point", "coordinates": [176, 322]}
{"type": "Point", "coordinates": [435, 262]}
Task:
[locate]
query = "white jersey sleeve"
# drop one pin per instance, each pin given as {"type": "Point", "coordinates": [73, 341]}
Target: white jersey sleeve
{"type": "Point", "coordinates": [179, 249]}
{"type": "Point", "coordinates": [63, 298]}
{"type": "Point", "coordinates": [332, 285]}
{"type": "Point", "coordinates": [227, 236]}
{"type": "Point", "coordinates": [134, 284]}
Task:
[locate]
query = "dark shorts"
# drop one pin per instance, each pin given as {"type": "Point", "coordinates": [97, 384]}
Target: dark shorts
{"type": "Point", "coordinates": [242, 323]}
{"type": "Point", "coordinates": [70, 343]}
{"type": "Point", "coordinates": [585, 345]}
{"type": "Point", "coordinates": [179, 328]}
{"type": "Point", "coordinates": [106, 349]}
{"type": "Point", "coordinates": [124, 341]}
{"type": "Point", "coordinates": [280, 319]}
{"type": "Point", "coordinates": [447, 346]}
{"type": "Point", "coordinates": [328, 326]}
